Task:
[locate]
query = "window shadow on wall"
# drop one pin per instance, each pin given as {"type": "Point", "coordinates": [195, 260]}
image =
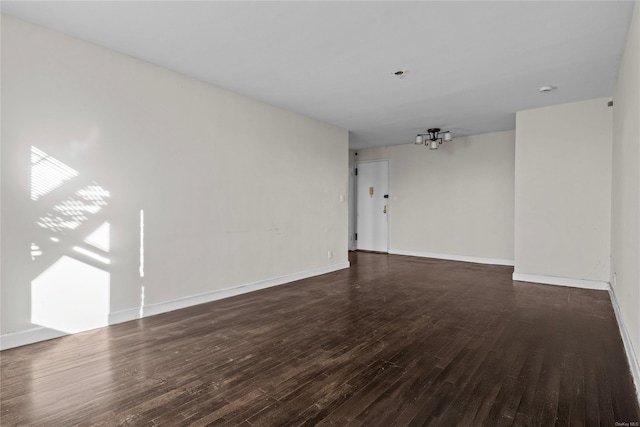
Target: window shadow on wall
{"type": "Point", "coordinates": [71, 247]}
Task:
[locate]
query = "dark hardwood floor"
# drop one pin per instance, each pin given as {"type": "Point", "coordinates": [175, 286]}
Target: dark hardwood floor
{"type": "Point", "coordinates": [393, 341]}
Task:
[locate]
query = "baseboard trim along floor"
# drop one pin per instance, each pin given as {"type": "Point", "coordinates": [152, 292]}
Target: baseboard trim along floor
{"type": "Point", "coordinates": [463, 258]}
{"type": "Point", "coordinates": [561, 281]}
{"type": "Point", "coordinates": [38, 334]}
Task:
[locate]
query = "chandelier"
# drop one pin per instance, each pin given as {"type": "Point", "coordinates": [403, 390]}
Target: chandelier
{"type": "Point", "coordinates": [433, 138]}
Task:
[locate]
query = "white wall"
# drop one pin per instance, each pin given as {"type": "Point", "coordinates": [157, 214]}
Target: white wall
{"type": "Point", "coordinates": [234, 191]}
{"type": "Point", "coordinates": [454, 201]}
{"type": "Point", "coordinates": [563, 191]}
{"type": "Point", "coordinates": [625, 225]}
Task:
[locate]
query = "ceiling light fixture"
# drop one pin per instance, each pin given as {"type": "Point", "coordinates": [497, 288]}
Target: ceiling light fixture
{"type": "Point", "coordinates": [546, 89]}
{"type": "Point", "coordinates": [433, 138]}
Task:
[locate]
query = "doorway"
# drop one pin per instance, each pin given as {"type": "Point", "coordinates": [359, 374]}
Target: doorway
{"type": "Point", "coordinates": [372, 206]}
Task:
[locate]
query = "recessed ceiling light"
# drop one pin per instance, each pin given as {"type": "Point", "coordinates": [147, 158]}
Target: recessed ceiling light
{"type": "Point", "coordinates": [546, 89]}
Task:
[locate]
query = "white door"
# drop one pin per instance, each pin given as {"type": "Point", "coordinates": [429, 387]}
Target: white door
{"type": "Point", "coordinates": [372, 206]}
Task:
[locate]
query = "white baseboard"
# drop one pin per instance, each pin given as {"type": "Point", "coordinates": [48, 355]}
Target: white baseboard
{"type": "Point", "coordinates": [561, 281]}
{"type": "Point", "coordinates": [477, 260]}
{"type": "Point", "coordinates": [29, 336]}
{"type": "Point", "coordinates": [153, 309]}
{"type": "Point", "coordinates": [41, 334]}
{"type": "Point", "coordinates": [628, 345]}
{"type": "Point", "coordinates": [124, 315]}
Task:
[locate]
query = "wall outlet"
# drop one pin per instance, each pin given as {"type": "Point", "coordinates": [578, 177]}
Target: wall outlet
{"type": "Point", "coordinates": [329, 254]}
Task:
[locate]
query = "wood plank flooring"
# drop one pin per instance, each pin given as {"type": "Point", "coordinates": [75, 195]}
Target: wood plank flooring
{"type": "Point", "coordinates": [393, 341]}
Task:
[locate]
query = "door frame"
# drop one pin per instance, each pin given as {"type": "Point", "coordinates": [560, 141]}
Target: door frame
{"type": "Point", "coordinates": [353, 203]}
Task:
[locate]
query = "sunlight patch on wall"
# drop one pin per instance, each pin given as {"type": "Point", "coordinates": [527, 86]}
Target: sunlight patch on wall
{"type": "Point", "coordinates": [92, 255]}
{"type": "Point", "coordinates": [70, 296]}
{"type": "Point", "coordinates": [141, 243]}
{"type": "Point", "coordinates": [71, 246]}
{"type": "Point", "coordinates": [71, 213]}
{"type": "Point", "coordinates": [35, 251]}
{"type": "Point", "coordinates": [100, 237]}
{"type": "Point", "coordinates": [47, 173]}
{"type": "Point", "coordinates": [141, 270]}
